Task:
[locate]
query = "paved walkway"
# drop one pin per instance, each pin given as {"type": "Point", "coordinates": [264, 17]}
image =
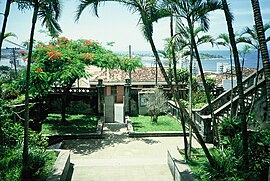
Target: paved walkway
{"type": "Point", "coordinates": [120, 158]}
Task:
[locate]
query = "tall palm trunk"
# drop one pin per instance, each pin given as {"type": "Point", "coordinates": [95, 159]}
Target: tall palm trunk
{"type": "Point", "coordinates": [190, 101]}
{"type": "Point", "coordinates": [183, 122]}
{"type": "Point", "coordinates": [207, 91]}
{"type": "Point", "coordinates": [26, 122]}
{"type": "Point", "coordinates": [239, 85]}
{"type": "Point", "coordinates": [231, 97]}
{"type": "Point", "coordinates": [2, 33]}
{"type": "Point", "coordinates": [263, 47]}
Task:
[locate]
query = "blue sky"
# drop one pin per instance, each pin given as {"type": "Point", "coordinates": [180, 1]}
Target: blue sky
{"type": "Point", "coordinates": [117, 24]}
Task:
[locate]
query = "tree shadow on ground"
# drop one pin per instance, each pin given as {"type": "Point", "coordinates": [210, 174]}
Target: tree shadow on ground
{"type": "Point", "coordinates": [112, 138]}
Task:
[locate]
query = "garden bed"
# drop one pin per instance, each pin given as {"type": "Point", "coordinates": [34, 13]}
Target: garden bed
{"type": "Point", "coordinates": [40, 165]}
{"type": "Point", "coordinates": [198, 163]}
{"type": "Point", "coordinates": [142, 126]}
{"type": "Point", "coordinates": [164, 123]}
{"type": "Point", "coordinates": [76, 124]}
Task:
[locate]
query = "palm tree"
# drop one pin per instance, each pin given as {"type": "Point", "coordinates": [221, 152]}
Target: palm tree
{"type": "Point", "coordinates": [149, 11]}
{"type": "Point", "coordinates": [22, 4]}
{"type": "Point", "coordinates": [229, 18]}
{"type": "Point", "coordinates": [2, 33]}
{"type": "Point", "coordinates": [250, 37]}
{"type": "Point", "coordinates": [196, 11]}
{"type": "Point", "coordinates": [48, 11]}
{"type": "Point", "coordinates": [172, 48]}
{"type": "Point", "coordinates": [243, 52]}
{"type": "Point", "coordinates": [10, 34]}
{"type": "Point", "coordinates": [182, 40]}
{"type": "Point", "coordinates": [263, 47]}
{"type": "Point", "coordinates": [224, 40]}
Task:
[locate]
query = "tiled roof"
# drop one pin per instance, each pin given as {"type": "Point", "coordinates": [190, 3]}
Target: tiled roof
{"type": "Point", "coordinates": [144, 74]}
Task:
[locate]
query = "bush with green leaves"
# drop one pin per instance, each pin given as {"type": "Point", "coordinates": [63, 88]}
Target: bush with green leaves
{"type": "Point", "coordinates": [11, 140]}
{"type": "Point", "coordinates": [229, 160]}
{"type": "Point", "coordinates": [182, 75]}
{"type": "Point", "coordinates": [40, 164]}
{"type": "Point", "coordinates": [258, 142]}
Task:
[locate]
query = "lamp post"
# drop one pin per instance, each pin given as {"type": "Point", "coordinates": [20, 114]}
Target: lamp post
{"type": "Point", "coordinates": [130, 59]}
{"type": "Point", "coordinates": [156, 73]}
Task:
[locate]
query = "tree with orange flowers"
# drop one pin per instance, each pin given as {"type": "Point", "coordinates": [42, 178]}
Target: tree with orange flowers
{"type": "Point", "coordinates": [61, 62]}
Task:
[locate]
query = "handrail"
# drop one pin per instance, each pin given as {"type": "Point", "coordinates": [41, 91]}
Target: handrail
{"type": "Point", "coordinates": [74, 90]}
{"type": "Point", "coordinates": [247, 82]}
{"type": "Point", "coordinates": [248, 91]}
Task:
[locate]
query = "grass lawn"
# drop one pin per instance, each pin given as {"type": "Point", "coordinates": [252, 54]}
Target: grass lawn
{"type": "Point", "coordinates": [75, 124]}
{"type": "Point", "coordinates": [164, 123]}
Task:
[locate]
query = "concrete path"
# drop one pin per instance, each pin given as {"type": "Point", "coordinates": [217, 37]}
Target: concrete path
{"type": "Point", "coordinates": [120, 158]}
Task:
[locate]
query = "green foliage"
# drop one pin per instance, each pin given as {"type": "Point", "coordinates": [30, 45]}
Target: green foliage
{"type": "Point", "coordinates": [199, 97]}
{"type": "Point", "coordinates": [156, 103]}
{"type": "Point", "coordinates": [230, 127]}
{"type": "Point", "coordinates": [4, 72]}
{"type": "Point", "coordinates": [229, 160]}
{"type": "Point", "coordinates": [40, 165]}
{"type": "Point", "coordinates": [211, 83]}
{"type": "Point", "coordinates": [11, 131]}
{"type": "Point", "coordinates": [75, 124]}
{"type": "Point", "coordinates": [195, 84]}
{"type": "Point", "coordinates": [11, 148]}
{"type": "Point", "coordinates": [258, 142]}
{"type": "Point", "coordinates": [182, 75]}
{"type": "Point", "coordinates": [9, 91]}
{"type": "Point", "coordinates": [165, 123]}
{"type": "Point", "coordinates": [19, 100]}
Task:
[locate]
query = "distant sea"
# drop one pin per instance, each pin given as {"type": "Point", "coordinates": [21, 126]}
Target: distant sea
{"type": "Point", "coordinates": [9, 63]}
{"type": "Point", "coordinates": [209, 65]}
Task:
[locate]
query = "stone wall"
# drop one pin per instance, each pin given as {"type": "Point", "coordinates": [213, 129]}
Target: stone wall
{"type": "Point", "coordinates": [76, 104]}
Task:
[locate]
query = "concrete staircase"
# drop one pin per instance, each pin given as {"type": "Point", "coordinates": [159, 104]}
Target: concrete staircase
{"type": "Point", "coordinates": [253, 92]}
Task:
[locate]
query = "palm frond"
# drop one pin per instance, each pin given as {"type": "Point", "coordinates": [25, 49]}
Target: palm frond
{"type": "Point", "coordinates": [206, 39]}
{"type": "Point", "coordinates": [224, 37]}
{"type": "Point", "coordinates": [24, 5]}
{"type": "Point", "coordinates": [93, 4]}
{"type": "Point", "coordinates": [10, 34]}
{"type": "Point", "coordinates": [230, 12]}
{"type": "Point", "coordinates": [48, 17]}
{"type": "Point", "coordinates": [247, 40]}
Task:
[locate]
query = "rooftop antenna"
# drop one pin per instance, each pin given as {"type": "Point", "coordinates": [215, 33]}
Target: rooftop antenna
{"type": "Point", "coordinates": [130, 59]}
{"type": "Point", "coordinates": [14, 43]}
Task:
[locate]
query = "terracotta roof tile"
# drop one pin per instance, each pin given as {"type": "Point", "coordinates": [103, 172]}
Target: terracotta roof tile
{"type": "Point", "coordinates": [144, 74]}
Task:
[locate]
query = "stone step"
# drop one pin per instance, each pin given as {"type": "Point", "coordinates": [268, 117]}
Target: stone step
{"type": "Point", "coordinates": [119, 162]}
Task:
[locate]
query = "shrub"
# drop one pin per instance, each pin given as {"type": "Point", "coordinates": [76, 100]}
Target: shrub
{"type": "Point", "coordinates": [156, 103]}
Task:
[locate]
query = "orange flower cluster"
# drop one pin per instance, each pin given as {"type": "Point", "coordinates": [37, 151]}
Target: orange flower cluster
{"type": "Point", "coordinates": [24, 59]}
{"type": "Point", "coordinates": [50, 46]}
{"type": "Point", "coordinates": [62, 40]}
{"type": "Point", "coordinates": [22, 52]}
{"type": "Point", "coordinates": [88, 56]}
{"type": "Point", "coordinates": [39, 70]}
{"type": "Point", "coordinates": [89, 42]}
{"type": "Point", "coordinates": [39, 45]}
{"type": "Point", "coordinates": [54, 55]}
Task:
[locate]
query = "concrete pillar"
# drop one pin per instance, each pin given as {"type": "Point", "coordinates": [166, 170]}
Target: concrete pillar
{"type": "Point", "coordinates": [101, 88]}
{"type": "Point", "coordinates": [207, 131]}
{"type": "Point", "coordinates": [127, 88]}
